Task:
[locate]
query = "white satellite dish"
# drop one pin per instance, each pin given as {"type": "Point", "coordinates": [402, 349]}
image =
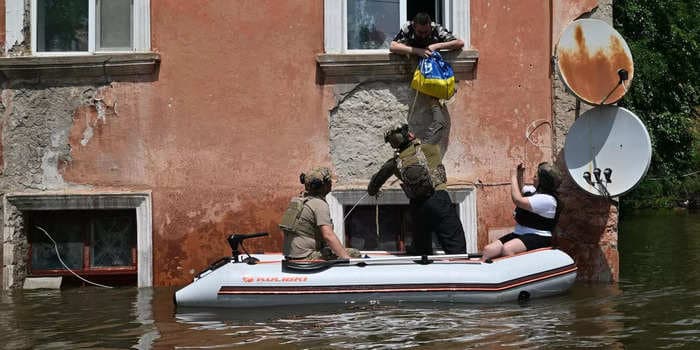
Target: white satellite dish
{"type": "Point", "coordinates": [594, 62]}
{"type": "Point", "coordinates": [607, 151]}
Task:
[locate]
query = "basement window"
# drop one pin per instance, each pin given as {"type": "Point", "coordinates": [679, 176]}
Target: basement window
{"type": "Point", "coordinates": [90, 242]}
{"type": "Point", "coordinates": [396, 227]}
{"type": "Point", "coordinates": [105, 235]}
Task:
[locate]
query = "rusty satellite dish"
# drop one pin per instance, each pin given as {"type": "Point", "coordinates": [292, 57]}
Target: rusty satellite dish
{"type": "Point", "coordinates": [594, 62]}
{"type": "Point", "coordinates": [607, 151]}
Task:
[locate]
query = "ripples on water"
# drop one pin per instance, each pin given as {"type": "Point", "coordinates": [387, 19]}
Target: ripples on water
{"type": "Point", "coordinates": [656, 305]}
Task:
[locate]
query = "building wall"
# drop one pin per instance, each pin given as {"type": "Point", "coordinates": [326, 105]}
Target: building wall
{"type": "Point", "coordinates": [236, 111]}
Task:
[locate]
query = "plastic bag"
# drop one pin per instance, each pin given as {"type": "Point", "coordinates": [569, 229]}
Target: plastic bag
{"type": "Point", "coordinates": [434, 77]}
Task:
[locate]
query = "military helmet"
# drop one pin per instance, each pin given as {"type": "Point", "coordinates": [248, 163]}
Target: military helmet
{"type": "Point", "coordinates": [397, 136]}
{"type": "Point", "coordinates": [314, 179]}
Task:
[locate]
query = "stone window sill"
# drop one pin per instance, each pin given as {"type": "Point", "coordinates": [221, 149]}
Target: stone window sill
{"type": "Point", "coordinates": [106, 66]}
{"type": "Point", "coordinates": [347, 68]}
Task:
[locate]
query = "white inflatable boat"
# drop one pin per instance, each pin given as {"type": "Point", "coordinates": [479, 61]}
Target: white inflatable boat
{"type": "Point", "coordinates": [268, 280]}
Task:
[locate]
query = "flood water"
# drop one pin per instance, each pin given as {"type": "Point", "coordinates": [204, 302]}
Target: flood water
{"type": "Point", "coordinates": [655, 306]}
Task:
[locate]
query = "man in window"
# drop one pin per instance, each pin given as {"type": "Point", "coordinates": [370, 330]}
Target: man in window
{"type": "Point", "coordinates": [421, 37]}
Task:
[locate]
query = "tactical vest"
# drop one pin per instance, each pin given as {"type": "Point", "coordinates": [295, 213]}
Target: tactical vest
{"type": "Point", "coordinates": [538, 222]}
{"type": "Point", "coordinates": [291, 223]}
{"type": "Point", "coordinates": [418, 180]}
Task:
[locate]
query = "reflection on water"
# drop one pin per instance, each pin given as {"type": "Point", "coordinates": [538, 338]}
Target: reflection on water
{"type": "Point", "coordinates": [656, 305]}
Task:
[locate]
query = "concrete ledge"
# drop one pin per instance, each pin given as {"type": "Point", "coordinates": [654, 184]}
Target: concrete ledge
{"type": "Point", "coordinates": [105, 66]}
{"type": "Point", "coordinates": [346, 68]}
{"type": "Point", "coordinates": [42, 282]}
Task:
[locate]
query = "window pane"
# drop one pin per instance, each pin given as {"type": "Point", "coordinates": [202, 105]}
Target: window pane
{"type": "Point", "coordinates": [112, 238]}
{"type": "Point", "coordinates": [62, 25]}
{"type": "Point", "coordinates": [115, 23]}
{"type": "Point", "coordinates": [372, 24]}
{"type": "Point", "coordinates": [67, 234]}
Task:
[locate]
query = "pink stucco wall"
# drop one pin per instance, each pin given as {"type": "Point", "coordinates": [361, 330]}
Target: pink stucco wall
{"type": "Point", "coordinates": [236, 113]}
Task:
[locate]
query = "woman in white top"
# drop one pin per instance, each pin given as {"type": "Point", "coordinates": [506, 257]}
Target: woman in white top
{"type": "Point", "coordinates": [536, 213]}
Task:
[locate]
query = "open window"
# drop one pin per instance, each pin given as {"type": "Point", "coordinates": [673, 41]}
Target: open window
{"type": "Point", "coordinates": [368, 26]}
{"type": "Point", "coordinates": [396, 228]}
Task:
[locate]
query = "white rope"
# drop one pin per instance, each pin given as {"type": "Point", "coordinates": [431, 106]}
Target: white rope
{"type": "Point", "coordinates": [55, 246]}
{"type": "Point", "coordinates": [353, 207]}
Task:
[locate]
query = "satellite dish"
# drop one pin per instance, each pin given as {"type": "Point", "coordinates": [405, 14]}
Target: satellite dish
{"type": "Point", "coordinates": [607, 151]}
{"type": "Point", "coordinates": [594, 61]}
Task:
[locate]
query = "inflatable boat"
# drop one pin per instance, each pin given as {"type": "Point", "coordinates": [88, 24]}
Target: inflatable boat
{"type": "Point", "coordinates": [268, 280]}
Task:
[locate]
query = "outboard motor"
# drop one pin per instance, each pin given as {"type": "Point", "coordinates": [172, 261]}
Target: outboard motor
{"type": "Point", "coordinates": [235, 240]}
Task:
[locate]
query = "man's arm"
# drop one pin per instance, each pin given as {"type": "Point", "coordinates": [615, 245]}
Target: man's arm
{"type": "Point", "coordinates": [403, 49]}
{"type": "Point", "coordinates": [381, 176]}
{"type": "Point", "coordinates": [333, 242]}
{"type": "Point", "coordinates": [448, 45]}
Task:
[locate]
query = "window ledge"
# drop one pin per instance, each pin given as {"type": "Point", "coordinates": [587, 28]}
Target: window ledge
{"type": "Point", "coordinates": [106, 66]}
{"type": "Point", "coordinates": [346, 68]}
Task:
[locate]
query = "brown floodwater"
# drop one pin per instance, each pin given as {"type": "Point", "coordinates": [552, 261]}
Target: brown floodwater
{"type": "Point", "coordinates": [656, 305]}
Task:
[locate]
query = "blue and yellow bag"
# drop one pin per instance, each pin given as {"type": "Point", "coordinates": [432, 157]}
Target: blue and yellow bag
{"type": "Point", "coordinates": [434, 77]}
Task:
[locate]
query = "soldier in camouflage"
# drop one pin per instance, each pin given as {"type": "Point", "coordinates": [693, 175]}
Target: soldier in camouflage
{"type": "Point", "coordinates": [423, 180]}
{"type": "Point", "coordinates": [307, 225]}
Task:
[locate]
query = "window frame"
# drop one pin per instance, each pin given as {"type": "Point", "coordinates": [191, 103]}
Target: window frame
{"type": "Point", "coordinates": [456, 19]}
{"type": "Point", "coordinates": [87, 221]}
{"type": "Point", "coordinates": [14, 203]}
{"type": "Point", "coordinates": [141, 30]}
{"type": "Point", "coordinates": [464, 198]}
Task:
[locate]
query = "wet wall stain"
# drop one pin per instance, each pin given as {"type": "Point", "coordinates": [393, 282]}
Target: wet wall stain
{"type": "Point", "coordinates": [187, 243]}
{"type": "Point", "coordinates": [593, 75]}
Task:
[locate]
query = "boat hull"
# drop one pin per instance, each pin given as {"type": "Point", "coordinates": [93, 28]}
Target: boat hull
{"type": "Point", "coordinates": [237, 285]}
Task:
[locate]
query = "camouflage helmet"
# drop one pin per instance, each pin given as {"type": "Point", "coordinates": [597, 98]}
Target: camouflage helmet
{"type": "Point", "coordinates": [397, 136]}
{"type": "Point", "coordinates": [549, 177]}
{"type": "Point", "coordinates": [314, 179]}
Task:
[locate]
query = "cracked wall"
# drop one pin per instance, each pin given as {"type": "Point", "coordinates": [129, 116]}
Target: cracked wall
{"type": "Point", "coordinates": [588, 225]}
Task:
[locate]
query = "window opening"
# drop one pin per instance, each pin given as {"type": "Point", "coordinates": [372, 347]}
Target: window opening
{"type": "Point", "coordinates": [396, 228]}
{"type": "Point", "coordinates": [62, 25]}
{"type": "Point", "coordinates": [433, 8]}
{"type": "Point", "coordinates": [91, 242]}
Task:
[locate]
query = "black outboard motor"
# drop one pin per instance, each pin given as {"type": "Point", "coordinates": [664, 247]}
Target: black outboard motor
{"type": "Point", "coordinates": [235, 240]}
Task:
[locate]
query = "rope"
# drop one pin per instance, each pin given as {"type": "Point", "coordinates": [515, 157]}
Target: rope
{"type": "Point", "coordinates": [58, 255]}
{"type": "Point", "coordinates": [353, 207]}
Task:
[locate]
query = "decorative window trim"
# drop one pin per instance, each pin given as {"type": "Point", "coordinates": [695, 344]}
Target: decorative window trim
{"type": "Point", "coordinates": [465, 198]}
{"type": "Point", "coordinates": [335, 21]}
{"type": "Point", "coordinates": [15, 31]}
{"type": "Point", "coordinates": [141, 30]}
{"type": "Point", "coordinates": [42, 201]}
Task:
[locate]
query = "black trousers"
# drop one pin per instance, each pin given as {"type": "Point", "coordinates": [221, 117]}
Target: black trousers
{"type": "Point", "coordinates": [437, 214]}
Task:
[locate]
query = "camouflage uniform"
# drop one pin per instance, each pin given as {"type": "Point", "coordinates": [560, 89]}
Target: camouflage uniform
{"type": "Point", "coordinates": [432, 210]}
{"type": "Point", "coordinates": [303, 219]}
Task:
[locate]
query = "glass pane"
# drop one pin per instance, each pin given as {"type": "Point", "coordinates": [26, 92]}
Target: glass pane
{"type": "Point", "coordinates": [62, 25]}
{"type": "Point", "coordinates": [112, 239]}
{"type": "Point", "coordinates": [114, 24]}
{"type": "Point", "coordinates": [372, 24]}
{"type": "Point", "coordinates": [67, 234]}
